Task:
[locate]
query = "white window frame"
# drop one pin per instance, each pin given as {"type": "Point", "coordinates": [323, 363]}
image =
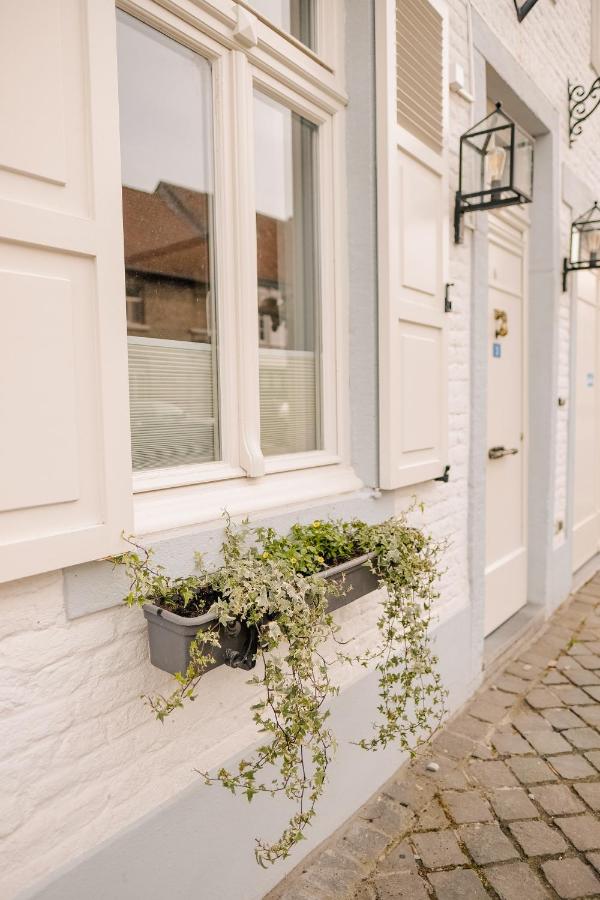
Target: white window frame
{"type": "Point", "coordinates": [281, 67]}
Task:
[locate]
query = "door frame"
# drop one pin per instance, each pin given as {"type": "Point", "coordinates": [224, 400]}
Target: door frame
{"type": "Point", "coordinates": [498, 75]}
{"type": "Point", "coordinates": [518, 219]}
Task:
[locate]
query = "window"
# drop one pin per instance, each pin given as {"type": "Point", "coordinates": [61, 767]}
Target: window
{"type": "Point", "coordinates": [294, 16]}
{"type": "Point", "coordinates": [286, 230]}
{"type": "Point", "coordinates": [230, 232]}
{"type": "Point", "coordinates": [166, 157]}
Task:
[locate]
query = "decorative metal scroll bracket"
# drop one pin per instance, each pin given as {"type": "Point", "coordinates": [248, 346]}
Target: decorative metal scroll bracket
{"type": "Point", "coordinates": [582, 104]}
{"type": "Point", "coordinates": [523, 7]}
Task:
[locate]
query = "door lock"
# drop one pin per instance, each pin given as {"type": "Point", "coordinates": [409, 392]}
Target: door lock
{"type": "Point", "coordinates": [499, 452]}
{"type": "Point", "coordinates": [501, 316]}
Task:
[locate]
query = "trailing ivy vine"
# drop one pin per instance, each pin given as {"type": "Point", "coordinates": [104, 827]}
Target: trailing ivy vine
{"type": "Point", "coordinates": [271, 584]}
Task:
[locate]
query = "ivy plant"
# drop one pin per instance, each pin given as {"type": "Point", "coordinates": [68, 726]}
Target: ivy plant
{"type": "Point", "coordinates": [271, 583]}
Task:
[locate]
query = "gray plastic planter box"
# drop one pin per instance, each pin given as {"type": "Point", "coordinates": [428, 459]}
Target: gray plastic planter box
{"type": "Point", "coordinates": [170, 635]}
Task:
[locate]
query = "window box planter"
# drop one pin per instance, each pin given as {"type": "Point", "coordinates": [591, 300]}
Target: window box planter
{"type": "Point", "coordinates": [170, 634]}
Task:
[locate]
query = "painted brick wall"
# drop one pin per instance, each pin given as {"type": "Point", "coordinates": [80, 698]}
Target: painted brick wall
{"type": "Point", "coordinates": [80, 755]}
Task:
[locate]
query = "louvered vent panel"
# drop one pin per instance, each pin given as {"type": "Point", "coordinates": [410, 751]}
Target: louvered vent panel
{"type": "Point", "coordinates": [419, 71]}
{"type": "Point", "coordinates": [171, 398]}
{"type": "Point", "coordinates": [288, 409]}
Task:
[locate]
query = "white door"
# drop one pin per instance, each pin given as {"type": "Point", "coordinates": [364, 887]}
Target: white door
{"type": "Point", "coordinates": [586, 512]}
{"type": "Point", "coordinates": [506, 486]}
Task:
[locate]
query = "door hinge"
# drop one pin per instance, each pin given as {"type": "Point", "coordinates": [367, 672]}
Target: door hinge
{"type": "Point", "coordinates": [445, 477]}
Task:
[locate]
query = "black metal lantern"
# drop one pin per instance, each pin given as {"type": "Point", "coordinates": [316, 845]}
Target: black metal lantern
{"type": "Point", "coordinates": [584, 252]}
{"type": "Point", "coordinates": [496, 167]}
{"type": "Point", "coordinates": [523, 7]}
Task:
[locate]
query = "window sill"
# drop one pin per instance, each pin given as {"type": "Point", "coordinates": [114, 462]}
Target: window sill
{"type": "Point", "coordinates": [166, 512]}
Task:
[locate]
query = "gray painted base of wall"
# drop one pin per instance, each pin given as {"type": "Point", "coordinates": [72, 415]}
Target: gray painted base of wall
{"type": "Point", "coordinates": [200, 844]}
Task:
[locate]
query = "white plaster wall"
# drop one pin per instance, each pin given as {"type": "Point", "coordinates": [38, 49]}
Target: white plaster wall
{"type": "Point", "coordinates": [80, 755]}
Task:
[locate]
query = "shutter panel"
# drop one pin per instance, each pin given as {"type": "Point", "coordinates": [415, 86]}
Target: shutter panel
{"type": "Point", "coordinates": [65, 471]}
{"type": "Point", "coordinates": [413, 242]}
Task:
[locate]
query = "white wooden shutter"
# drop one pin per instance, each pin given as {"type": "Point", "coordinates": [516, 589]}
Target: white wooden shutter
{"type": "Point", "coordinates": [413, 239]}
{"type": "Point", "coordinates": [65, 471]}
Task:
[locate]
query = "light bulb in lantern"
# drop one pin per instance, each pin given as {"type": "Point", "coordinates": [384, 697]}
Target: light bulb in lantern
{"type": "Point", "coordinates": [593, 242]}
{"type": "Point", "coordinates": [495, 160]}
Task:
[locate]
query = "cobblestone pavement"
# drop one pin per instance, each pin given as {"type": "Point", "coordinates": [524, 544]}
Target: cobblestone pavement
{"type": "Point", "coordinates": [512, 812]}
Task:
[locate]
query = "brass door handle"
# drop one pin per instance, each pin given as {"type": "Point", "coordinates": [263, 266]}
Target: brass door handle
{"type": "Point", "coordinates": [499, 452]}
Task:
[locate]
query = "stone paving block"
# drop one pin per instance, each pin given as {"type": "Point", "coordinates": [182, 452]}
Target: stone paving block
{"type": "Point", "coordinates": [554, 677]}
{"type": "Point", "coordinates": [448, 775]}
{"type": "Point", "coordinates": [594, 757]}
{"type": "Point", "coordinates": [571, 878]}
{"type": "Point", "coordinates": [589, 661]}
{"type": "Point", "coordinates": [512, 744]}
{"type": "Point", "coordinates": [401, 887]}
{"type": "Point", "coordinates": [386, 816]}
{"type": "Point", "coordinates": [480, 751]}
{"type": "Point", "coordinates": [365, 891]}
{"type": "Point", "coordinates": [400, 859]}
{"type": "Point", "coordinates": [487, 843]}
{"type": "Point", "coordinates": [578, 648]}
{"type": "Point", "coordinates": [583, 738]}
{"type": "Point", "coordinates": [571, 695]}
{"type": "Point", "coordinates": [363, 842]}
{"type": "Point", "coordinates": [582, 677]}
{"type": "Point", "coordinates": [487, 711]}
{"type": "Point", "coordinates": [513, 803]}
{"type": "Point", "coordinates": [557, 799]}
{"type": "Point", "coordinates": [593, 692]}
{"type": "Point", "coordinates": [432, 816]}
{"type": "Point", "coordinates": [408, 791]}
{"type": "Point", "coordinates": [590, 791]}
{"type": "Point", "coordinates": [467, 806]}
{"type": "Point", "coordinates": [438, 849]}
{"type": "Point", "coordinates": [594, 858]}
{"type": "Point", "coordinates": [457, 746]}
{"type": "Point", "coordinates": [590, 714]}
{"type": "Point", "coordinates": [560, 719]}
{"type": "Point", "coordinates": [516, 881]}
{"type": "Point", "coordinates": [492, 773]}
{"type": "Point", "coordinates": [458, 884]}
{"type": "Point", "coordinates": [537, 838]}
{"type": "Point", "coordinates": [523, 670]}
{"type": "Point", "coordinates": [499, 697]}
{"type": "Point", "coordinates": [546, 742]}
{"type": "Point", "coordinates": [542, 698]}
{"type": "Point", "coordinates": [582, 831]}
{"type": "Point", "coordinates": [512, 684]}
{"type": "Point", "coordinates": [530, 721]}
{"type": "Point", "coordinates": [593, 647]}
{"type": "Point", "coordinates": [571, 766]}
{"type": "Point", "coordinates": [531, 770]}
{"type": "Point", "coordinates": [473, 728]}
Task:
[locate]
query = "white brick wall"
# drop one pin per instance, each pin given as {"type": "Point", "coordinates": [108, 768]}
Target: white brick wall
{"type": "Point", "coordinates": [80, 755]}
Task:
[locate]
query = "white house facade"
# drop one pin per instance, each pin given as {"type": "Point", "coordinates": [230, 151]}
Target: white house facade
{"type": "Point", "coordinates": [229, 281]}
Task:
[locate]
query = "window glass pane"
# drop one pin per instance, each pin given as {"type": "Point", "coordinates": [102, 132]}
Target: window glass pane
{"type": "Point", "coordinates": [288, 315]}
{"type": "Point", "coordinates": [294, 16]}
{"type": "Point", "coordinates": [167, 172]}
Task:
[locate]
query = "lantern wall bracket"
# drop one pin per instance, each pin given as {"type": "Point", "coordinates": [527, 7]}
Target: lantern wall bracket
{"type": "Point", "coordinates": [584, 267]}
{"type": "Point", "coordinates": [582, 104]}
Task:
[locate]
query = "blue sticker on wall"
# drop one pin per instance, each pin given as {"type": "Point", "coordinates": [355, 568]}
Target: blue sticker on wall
{"type": "Point", "coordinates": [497, 350]}
{"type": "Point", "coordinates": [589, 380]}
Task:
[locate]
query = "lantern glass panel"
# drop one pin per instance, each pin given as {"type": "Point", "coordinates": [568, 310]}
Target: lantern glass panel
{"type": "Point", "coordinates": [523, 168]}
{"type": "Point", "coordinates": [589, 243]}
{"type": "Point", "coordinates": [486, 156]}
